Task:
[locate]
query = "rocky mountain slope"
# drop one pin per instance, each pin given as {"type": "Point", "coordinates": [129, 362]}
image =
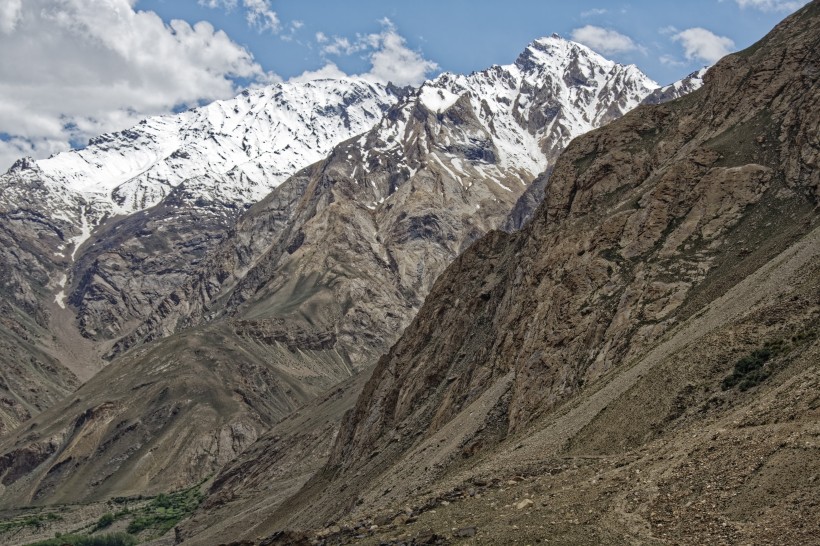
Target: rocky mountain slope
{"type": "Point", "coordinates": [692, 82]}
{"type": "Point", "coordinates": [445, 163]}
{"type": "Point", "coordinates": [309, 286]}
{"type": "Point", "coordinates": [651, 336]}
{"type": "Point", "coordinates": [145, 205]}
{"type": "Point", "coordinates": [191, 174]}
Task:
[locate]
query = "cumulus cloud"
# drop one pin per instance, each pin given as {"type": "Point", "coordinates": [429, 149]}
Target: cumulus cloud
{"type": "Point", "coordinates": [773, 5]}
{"type": "Point", "coordinates": [390, 58]}
{"type": "Point", "coordinates": [393, 61]}
{"type": "Point", "coordinates": [604, 40]}
{"type": "Point", "coordinates": [701, 44]}
{"type": "Point", "coordinates": [77, 68]}
{"type": "Point", "coordinates": [260, 15]}
{"type": "Point", "coordinates": [342, 46]}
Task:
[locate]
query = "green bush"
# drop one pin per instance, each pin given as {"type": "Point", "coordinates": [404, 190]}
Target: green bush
{"type": "Point", "coordinates": [105, 521]}
{"type": "Point", "coordinates": [165, 511]}
{"type": "Point", "coordinates": [751, 370]}
{"type": "Point", "coordinates": [114, 539]}
{"type": "Point", "coordinates": [36, 521]}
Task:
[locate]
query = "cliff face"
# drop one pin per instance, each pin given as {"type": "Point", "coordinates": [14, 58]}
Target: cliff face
{"type": "Point", "coordinates": [34, 362]}
{"type": "Point", "coordinates": [645, 223]}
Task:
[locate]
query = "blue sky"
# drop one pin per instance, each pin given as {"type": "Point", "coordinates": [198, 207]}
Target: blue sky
{"type": "Point", "coordinates": [466, 35]}
{"type": "Point", "coordinates": [73, 69]}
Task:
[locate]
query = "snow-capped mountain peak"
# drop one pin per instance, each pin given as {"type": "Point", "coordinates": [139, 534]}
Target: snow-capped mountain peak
{"type": "Point", "coordinates": [236, 151]}
{"type": "Point", "coordinates": [252, 142]}
{"type": "Point", "coordinates": [554, 91]}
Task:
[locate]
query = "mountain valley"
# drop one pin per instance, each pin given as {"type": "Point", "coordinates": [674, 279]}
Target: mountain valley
{"type": "Point", "coordinates": [546, 300]}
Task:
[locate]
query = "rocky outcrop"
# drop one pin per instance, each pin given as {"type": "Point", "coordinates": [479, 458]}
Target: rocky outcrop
{"type": "Point", "coordinates": [532, 197]}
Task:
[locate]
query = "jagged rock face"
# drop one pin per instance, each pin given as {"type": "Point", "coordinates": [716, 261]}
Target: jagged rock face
{"type": "Point", "coordinates": [31, 257]}
{"type": "Point", "coordinates": [132, 263]}
{"type": "Point", "coordinates": [555, 91]}
{"type": "Point", "coordinates": [433, 175]}
{"type": "Point", "coordinates": [644, 223]}
{"type": "Point", "coordinates": [248, 145]}
{"type": "Point", "coordinates": [690, 83]}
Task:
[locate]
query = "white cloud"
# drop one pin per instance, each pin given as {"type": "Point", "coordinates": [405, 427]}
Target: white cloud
{"type": "Point", "coordinates": [604, 40]}
{"type": "Point", "coordinates": [773, 5]}
{"type": "Point", "coordinates": [213, 4]}
{"type": "Point", "coordinates": [393, 61]}
{"type": "Point", "coordinates": [593, 12]}
{"type": "Point", "coordinates": [701, 44]}
{"type": "Point", "coordinates": [258, 13]}
{"type": "Point", "coordinates": [329, 71]}
{"type": "Point", "coordinates": [77, 68]}
{"type": "Point", "coordinates": [669, 60]}
{"type": "Point", "coordinates": [342, 46]}
{"type": "Point", "coordinates": [294, 27]}
{"type": "Point", "coordinates": [9, 15]}
{"type": "Point", "coordinates": [390, 58]}
{"type": "Point", "coordinates": [16, 147]}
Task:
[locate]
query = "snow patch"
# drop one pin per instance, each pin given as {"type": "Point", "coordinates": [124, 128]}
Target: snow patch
{"type": "Point", "coordinates": [59, 298]}
{"type": "Point", "coordinates": [85, 234]}
{"type": "Point", "coordinates": [450, 172]}
{"type": "Point", "coordinates": [437, 99]}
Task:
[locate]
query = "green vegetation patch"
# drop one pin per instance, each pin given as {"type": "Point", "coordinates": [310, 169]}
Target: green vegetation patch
{"type": "Point", "coordinates": [114, 539]}
{"type": "Point", "coordinates": [105, 521]}
{"type": "Point", "coordinates": [28, 521]}
{"type": "Point", "coordinates": [165, 511]}
{"type": "Point", "coordinates": [751, 370]}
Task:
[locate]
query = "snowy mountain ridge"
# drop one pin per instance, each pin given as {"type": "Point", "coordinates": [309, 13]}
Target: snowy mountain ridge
{"type": "Point", "coordinates": [248, 145]}
{"type": "Point", "coordinates": [556, 90]}
{"type": "Point", "coordinates": [238, 150]}
{"type": "Point", "coordinates": [504, 125]}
